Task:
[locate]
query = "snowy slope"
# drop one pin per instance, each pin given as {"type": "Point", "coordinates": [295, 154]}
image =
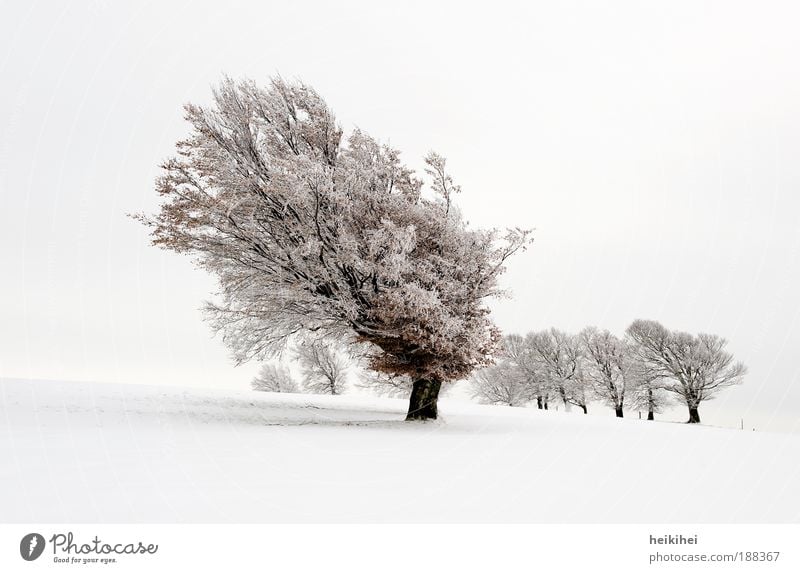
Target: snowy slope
{"type": "Point", "coordinates": [76, 452]}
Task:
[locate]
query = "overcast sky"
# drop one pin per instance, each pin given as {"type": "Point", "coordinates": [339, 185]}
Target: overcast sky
{"type": "Point", "coordinates": [655, 147]}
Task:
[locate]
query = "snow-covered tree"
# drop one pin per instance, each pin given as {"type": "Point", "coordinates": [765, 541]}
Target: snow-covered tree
{"type": "Point", "coordinates": [501, 383]}
{"type": "Point", "coordinates": [272, 378]}
{"type": "Point", "coordinates": [309, 231]}
{"type": "Point", "coordinates": [579, 390]}
{"type": "Point", "coordinates": [517, 350]}
{"type": "Point", "coordinates": [324, 369]}
{"type": "Point", "coordinates": [609, 367]}
{"type": "Point", "coordinates": [648, 392]}
{"type": "Point", "coordinates": [559, 355]}
{"type": "Point", "coordinates": [698, 366]}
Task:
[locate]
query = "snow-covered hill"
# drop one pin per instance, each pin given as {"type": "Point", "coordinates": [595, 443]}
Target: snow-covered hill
{"type": "Point", "coordinates": [74, 452]}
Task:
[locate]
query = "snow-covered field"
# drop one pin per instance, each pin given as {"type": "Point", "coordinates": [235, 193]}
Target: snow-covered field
{"type": "Point", "coordinates": [74, 452]}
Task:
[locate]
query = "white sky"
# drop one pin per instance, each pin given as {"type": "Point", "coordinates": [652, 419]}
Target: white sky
{"type": "Point", "coordinates": [654, 146]}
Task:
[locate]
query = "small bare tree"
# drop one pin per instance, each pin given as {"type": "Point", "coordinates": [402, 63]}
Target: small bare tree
{"type": "Point", "coordinates": [324, 370]}
{"type": "Point", "coordinates": [698, 366]}
{"type": "Point", "coordinates": [272, 378]}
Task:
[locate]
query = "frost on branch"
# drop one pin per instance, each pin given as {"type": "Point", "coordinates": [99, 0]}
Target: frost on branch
{"type": "Point", "coordinates": [307, 230]}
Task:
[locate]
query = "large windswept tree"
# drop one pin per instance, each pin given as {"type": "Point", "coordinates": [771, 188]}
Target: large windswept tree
{"type": "Point", "coordinates": [306, 230]}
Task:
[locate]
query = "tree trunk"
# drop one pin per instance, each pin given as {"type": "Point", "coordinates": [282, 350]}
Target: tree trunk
{"type": "Point", "coordinates": [424, 398]}
{"type": "Point", "coordinates": [563, 395]}
{"type": "Point", "coordinates": [546, 404]}
{"type": "Point", "coordinates": [585, 410]}
{"type": "Point", "coordinates": [694, 416]}
{"type": "Point", "coordinates": [539, 402]}
{"type": "Point", "coordinates": [650, 415]}
{"type": "Point", "coordinates": [618, 411]}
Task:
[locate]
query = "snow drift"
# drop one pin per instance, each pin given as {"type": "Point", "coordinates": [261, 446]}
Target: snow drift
{"type": "Point", "coordinates": [80, 452]}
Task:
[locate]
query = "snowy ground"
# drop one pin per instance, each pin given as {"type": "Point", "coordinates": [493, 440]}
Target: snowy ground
{"type": "Point", "coordinates": [73, 452]}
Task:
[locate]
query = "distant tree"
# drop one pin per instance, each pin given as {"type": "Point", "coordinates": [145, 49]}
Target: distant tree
{"type": "Point", "coordinates": [697, 366]}
{"type": "Point", "coordinates": [648, 393]}
{"type": "Point", "coordinates": [517, 350]}
{"type": "Point", "coordinates": [501, 383]}
{"type": "Point", "coordinates": [324, 369]}
{"type": "Point", "coordinates": [307, 231]}
{"type": "Point", "coordinates": [560, 356]}
{"type": "Point", "coordinates": [272, 378]}
{"type": "Point", "coordinates": [579, 390]}
{"type": "Point", "coordinates": [609, 367]}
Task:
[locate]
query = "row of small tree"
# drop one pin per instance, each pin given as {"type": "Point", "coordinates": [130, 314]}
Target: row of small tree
{"type": "Point", "coordinates": [646, 369]}
{"type": "Point", "coordinates": [325, 367]}
{"type": "Point", "coordinates": [323, 370]}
